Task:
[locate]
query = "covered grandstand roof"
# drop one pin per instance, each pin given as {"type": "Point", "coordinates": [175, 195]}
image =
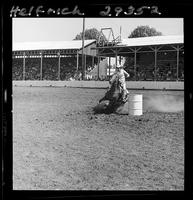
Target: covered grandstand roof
{"type": "Point", "coordinates": [143, 44]}
{"type": "Point", "coordinates": [50, 45]}
{"type": "Point", "coordinates": [77, 44]}
{"type": "Point", "coordinates": [154, 40]}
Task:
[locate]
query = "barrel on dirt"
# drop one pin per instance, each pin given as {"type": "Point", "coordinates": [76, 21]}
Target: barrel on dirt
{"type": "Point", "coordinates": [135, 104]}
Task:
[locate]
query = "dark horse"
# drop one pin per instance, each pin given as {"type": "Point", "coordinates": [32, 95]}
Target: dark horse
{"type": "Point", "coordinates": [114, 96]}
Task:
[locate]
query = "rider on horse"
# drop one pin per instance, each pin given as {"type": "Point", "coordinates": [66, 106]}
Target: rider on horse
{"type": "Point", "coordinates": [117, 94]}
{"type": "Point", "coordinates": [119, 76]}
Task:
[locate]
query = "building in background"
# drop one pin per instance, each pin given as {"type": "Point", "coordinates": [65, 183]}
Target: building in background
{"type": "Point", "coordinates": [60, 60]}
{"type": "Point", "coordinates": [156, 58]}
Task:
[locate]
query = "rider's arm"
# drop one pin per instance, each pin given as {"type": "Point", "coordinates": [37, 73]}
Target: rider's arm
{"type": "Point", "coordinates": [125, 73]}
{"type": "Point", "coordinates": [113, 78]}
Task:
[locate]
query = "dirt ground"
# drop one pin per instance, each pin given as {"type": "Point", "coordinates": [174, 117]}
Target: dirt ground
{"type": "Point", "coordinates": [60, 144]}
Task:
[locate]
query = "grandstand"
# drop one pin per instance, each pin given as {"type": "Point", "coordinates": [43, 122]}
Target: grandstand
{"type": "Point", "coordinates": [51, 60]}
{"type": "Point", "coordinates": [156, 58]}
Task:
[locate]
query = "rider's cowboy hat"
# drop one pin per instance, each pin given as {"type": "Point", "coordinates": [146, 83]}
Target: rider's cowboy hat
{"type": "Point", "coordinates": [119, 66]}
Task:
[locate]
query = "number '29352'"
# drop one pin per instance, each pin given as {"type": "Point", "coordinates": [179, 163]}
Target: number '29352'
{"type": "Point", "coordinates": [128, 11]}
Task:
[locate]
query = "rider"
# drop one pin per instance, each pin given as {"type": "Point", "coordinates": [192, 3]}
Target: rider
{"type": "Point", "coordinates": [119, 76]}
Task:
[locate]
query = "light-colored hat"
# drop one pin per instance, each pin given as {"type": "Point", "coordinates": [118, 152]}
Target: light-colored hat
{"type": "Point", "coordinates": [119, 66]}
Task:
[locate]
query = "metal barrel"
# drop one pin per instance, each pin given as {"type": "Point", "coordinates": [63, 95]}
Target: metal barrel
{"type": "Point", "coordinates": [135, 102]}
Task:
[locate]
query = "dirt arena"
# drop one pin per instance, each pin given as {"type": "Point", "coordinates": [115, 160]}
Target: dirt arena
{"type": "Point", "coordinates": [60, 144]}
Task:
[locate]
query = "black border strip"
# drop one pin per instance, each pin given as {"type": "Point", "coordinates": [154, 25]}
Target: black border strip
{"type": "Point", "coordinates": [182, 8]}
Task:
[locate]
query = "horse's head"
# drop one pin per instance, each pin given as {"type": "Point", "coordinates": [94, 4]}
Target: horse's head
{"type": "Point", "coordinates": [113, 94]}
{"type": "Point", "coordinates": [115, 90]}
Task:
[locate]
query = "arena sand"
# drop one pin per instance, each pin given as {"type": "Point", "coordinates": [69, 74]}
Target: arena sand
{"type": "Point", "coordinates": [60, 144]}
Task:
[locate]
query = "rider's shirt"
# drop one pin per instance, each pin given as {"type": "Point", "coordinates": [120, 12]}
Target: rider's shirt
{"type": "Point", "coordinates": [120, 75]}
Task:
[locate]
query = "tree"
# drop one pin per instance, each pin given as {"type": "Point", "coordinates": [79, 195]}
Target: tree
{"type": "Point", "coordinates": [144, 31]}
{"type": "Point", "coordinates": [140, 31]}
{"type": "Point", "coordinates": [90, 34]}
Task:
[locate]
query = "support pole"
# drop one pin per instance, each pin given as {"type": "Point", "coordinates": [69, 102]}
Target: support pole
{"type": "Point", "coordinates": [24, 65]}
{"type": "Point", "coordinates": [77, 58]}
{"type": "Point", "coordinates": [155, 49]}
{"type": "Point", "coordinates": [83, 64]}
{"type": "Point", "coordinates": [155, 64]}
{"type": "Point", "coordinates": [59, 65]}
{"type": "Point", "coordinates": [177, 60]}
{"type": "Point", "coordinates": [119, 60]}
{"type": "Point", "coordinates": [85, 76]}
{"type": "Point", "coordinates": [109, 67]}
{"type": "Point", "coordinates": [92, 61]}
{"type": "Point", "coordinates": [135, 64]}
{"type": "Point", "coordinates": [116, 57]}
{"type": "Point", "coordinates": [177, 66]}
{"type": "Point", "coordinates": [41, 65]}
{"type": "Point", "coordinates": [98, 67]}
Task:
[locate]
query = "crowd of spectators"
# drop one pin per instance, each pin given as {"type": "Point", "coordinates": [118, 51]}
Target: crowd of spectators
{"type": "Point", "coordinates": [32, 69]}
{"type": "Point", "coordinates": [17, 69]}
{"type": "Point", "coordinates": [68, 70]}
{"type": "Point", "coordinates": [161, 73]}
{"type": "Point", "coordinates": [50, 69]}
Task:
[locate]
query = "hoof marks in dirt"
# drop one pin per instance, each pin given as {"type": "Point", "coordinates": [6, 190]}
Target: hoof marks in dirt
{"type": "Point", "coordinates": [142, 120]}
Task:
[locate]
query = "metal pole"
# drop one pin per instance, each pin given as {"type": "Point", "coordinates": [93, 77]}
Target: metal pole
{"type": "Point", "coordinates": [24, 65]}
{"type": "Point", "coordinates": [119, 59]}
{"type": "Point", "coordinates": [155, 66]}
{"type": "Point", "coordinates": [59, 65]}
{"type": "Point", "coordinates": [120, 32]}
{"type": "Point", "coordinates": [83, 64]}
{"type": "Point", "coordinates": [77, 61]}
{"type": "Point", "coordinates": [177, 70]}
{"type": "Point", "coordinates": [92, 61]}
{"type": "Point", "coordinates": [93, 57]}
{"type": "Point", "coordinates": [116, 58]}
{"type": "Point", "coordinates": [41, 66]}
{"type": "Point", "coordinates": [109, 67]}
{"type": "Point", "coordinates": [98, 68]}
{"type": "Point", "coordinates": [135, 63]}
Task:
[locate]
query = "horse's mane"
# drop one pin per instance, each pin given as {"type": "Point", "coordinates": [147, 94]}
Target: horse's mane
{"type": "Point", "coordinates": [115, 85]}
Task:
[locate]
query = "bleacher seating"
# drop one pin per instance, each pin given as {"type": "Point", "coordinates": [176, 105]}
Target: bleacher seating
{"type": "Point", "coordinates": [68, 69]}
{"type": "Point", "coordinates": [32, 69]}
{"type": "Point", "coordinates": [17, 69]}
{"type": "Point", "coordinates": [50, 69]}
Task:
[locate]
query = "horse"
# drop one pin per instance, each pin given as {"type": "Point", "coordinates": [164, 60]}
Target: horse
{"type": "Point", "coordinates": [113, 94]}
{"type": "Point", "coordinates": [114, 97]}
